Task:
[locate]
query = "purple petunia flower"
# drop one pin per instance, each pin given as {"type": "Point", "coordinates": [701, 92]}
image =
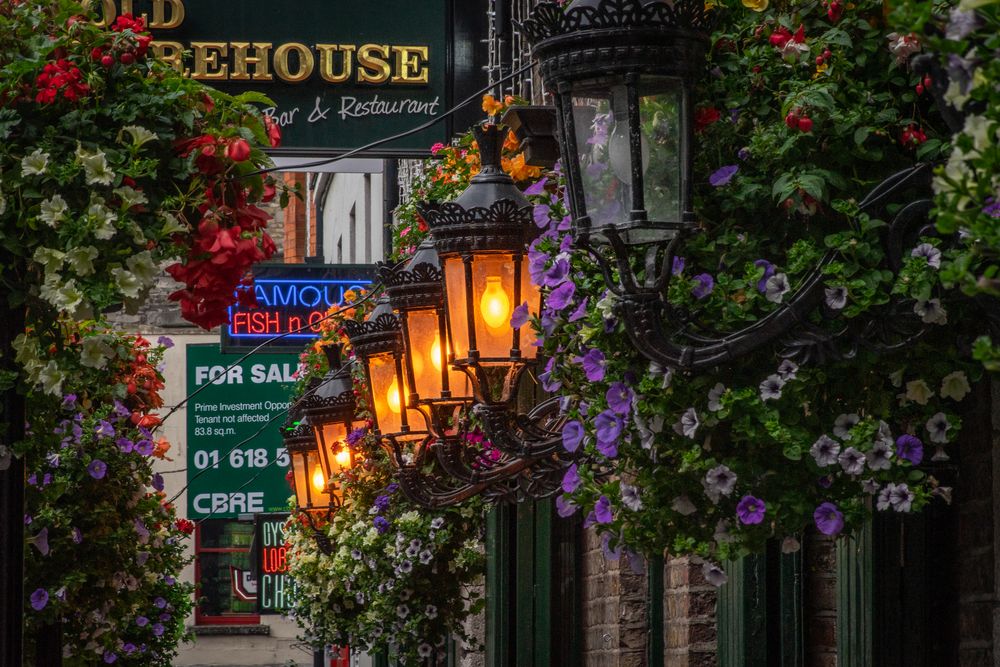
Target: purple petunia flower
{"type": "Point", "coordinates": [381, 524]}
{"type": "Point", "coordinates": [580, 312]}
{"type": "Point", "coordinates": [556, 274]}
{"type": "Point", "coordinates": [911, 448]}
{"type": "Point", "coordinates": [41, 541]}
{"type": "Point", "coordinates": [608, 427]}
{"type": "Point", "coordinates": [39, 599]}
{"type": "Point", "coordinates": [110, 657]}
{"type": "Point", "coordinates": [77, 535]}
{"type": "Point", "coordinates": [105, 429]}
{"type": "Point", "coordinates": [706, 284]}
{"type": "Point", "coordinates": [145, 447]}
{"type": "Point", "coordinates": [602, 510]}
{"type": "Point", "coordinates": [743, 154]}
{"type": "Point", "coordinates": [751, 510]}
{"type": "Point", "coordinates": [157, 481]}
{"type": "Point", "coordinates": [125, 445]}
{"type": "Point", "coordinates": [69, 401]}
{"type": "Point", "coordinates": [159, 603]}
{"type": "Point", "coordinates": [565, 507]}
{"type": "Point", "coordinates": [678, 266]}
{"type": "Point", "coordinates": [549, 383]}
{"type": "Point", "coordinates": [355, 436]}
{"type": "Point", "coordinates": [571, 479]}
{"type": "Point", "coordinates": [608, 449]}
{"type": "Point", "coordinates": [541, 215]}
{"type": "Point", "coordinates": [619, 398]}
{"type": "Point", "coordinates": [97, 469]}
{"type": "Point", "coordinates": [593, 363]}
{"type": "Point", "coordinates": [992, 207]}
{"type": "Point", "coordinates": [723, 175]}
{"type": "Point", "coordinates": [829, 520]}
{"type": "Point", "coordinates": [561, 296]}
{"type": "Point", "coordinates": [537, 188]}
{"type": "Point", "coordinates": [165, 342]}
{"type": "Point", "coordinates": [768, 272]}
{"type": "Point", "coordinates": [520, 316]}
{"type": "Point", "coordinates": [158, 629]}
{"type": "Point", "coordinates": [572, 435]}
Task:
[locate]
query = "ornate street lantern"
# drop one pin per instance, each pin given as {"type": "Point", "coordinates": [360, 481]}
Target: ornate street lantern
{"type": "Point", "coordinates": [329, 411]}
{"type": "Point", "coordinates": [481, 240]}
{"type": "Point", "coordinates": [308, 478]}
{"type": "Point", "coordinates": [622, 73]}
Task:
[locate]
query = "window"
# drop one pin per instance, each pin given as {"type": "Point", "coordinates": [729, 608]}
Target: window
{"type": "Point", "coordinates": [226, 588]}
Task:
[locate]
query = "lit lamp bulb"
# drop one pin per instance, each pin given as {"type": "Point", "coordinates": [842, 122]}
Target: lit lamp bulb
{"type": "Point", "coordinates": [436, 352]}
{"type": "Point", "coordinates": [318, 481]}
{"type": "Point", "coordinates": [343, 458]}
{"type": "Point", "coordinates": [494, 305]}
{"type": "Point", "coordinates": [392, 398]}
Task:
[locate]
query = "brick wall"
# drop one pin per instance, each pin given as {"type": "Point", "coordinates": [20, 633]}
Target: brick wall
{"type": "Point", "coordinates": [975, 501]}
{"type": "Point", "coordinates": [614, 609]}
{"type": "Point", "coordinates": [819, 600]}
{"type": "Point", "coordinates": [688, 616]}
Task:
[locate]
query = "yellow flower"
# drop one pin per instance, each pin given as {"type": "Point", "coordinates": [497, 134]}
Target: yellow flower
{"type": "Point", "coordinates": [755, 5]}
{"type": "Point", "coordinates": [491, 106]}
{"type": "Point", "coordinates": [350, 296]}
{"type": "Point", "coordinates": [820, 69]}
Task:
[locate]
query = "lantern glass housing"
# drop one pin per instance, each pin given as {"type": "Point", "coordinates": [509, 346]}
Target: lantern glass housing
{"type": "Point", "coordinates": [630, 144]}
{"type": "Point", "coordinates": [622, 73]}
{"type": "Point", "coordinates": [309, 480]}
{"type": "Point", "coordinates": [481, 240]}
{"type": "Point", "coordinates": [378, 346]}
{"type": "Point", "coordinates": [488, 286]}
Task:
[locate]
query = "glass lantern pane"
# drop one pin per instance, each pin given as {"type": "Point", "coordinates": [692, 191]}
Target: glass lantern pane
{"type": "Point", "coordinates": [387, 395]}
{"type": "Point", "coordinates": [333, 439]}
{"type": "Point", "coordinates": [429, 354]}
{"type": "Point", "coordinates": [493, 304]}
{"type": "Point", "coordinates": [604, 145]}
{"type": "Point", "coordinates": [531, 294]}
{"type": "Point", "coordinates": [660, 107]}
{"type": "Point", "coordinates": [454, 273]}
{"type": "Point", "coordinates": [299, 476]}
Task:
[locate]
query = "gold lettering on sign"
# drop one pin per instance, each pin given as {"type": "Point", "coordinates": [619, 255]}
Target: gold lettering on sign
{"type": "Point", "coordinates": [108, 13]}
{"type": "Point", "coordinates": [259, 61]}
{"type": "Point", "coordinates": [206, 55]}
{"type": "Point", "coordinates": [171, 53]}
{"type": "Point", "coordinates": [326, 53]}
{"type": "Point", "coordinates": [372, 69]}
{"type": "Point", "coordinates": [282, 66]}
{"type": "Point", "coordinates": [408, 64]}
{"type": "Point", "coordinates": [160, 14]}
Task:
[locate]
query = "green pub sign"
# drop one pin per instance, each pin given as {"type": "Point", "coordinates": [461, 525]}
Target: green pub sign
{"type": "Point", "coordinates": [341, 73]}
{"type": "Point", "coordinates": [233, 469]}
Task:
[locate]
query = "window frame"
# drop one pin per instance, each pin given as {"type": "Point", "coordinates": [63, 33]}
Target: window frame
{"type": "Point", "coordinates": [200, 618]}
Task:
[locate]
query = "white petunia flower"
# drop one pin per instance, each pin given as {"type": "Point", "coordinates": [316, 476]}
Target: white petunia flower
{"type": "Point", "coordinates": [130, 197]}
{"type": "Point", "coordinates": [843, 424]}
{"type": "Point", "coordinates": [683, 506]}
{"type": "Point", "coordinates": [81, 260]}
{"type": "Point", "coordinates": [35, 163]}
{"type": "Point", "coordinates": [825, 451]}
{"type": "Point", "coordinates": [719, 481]}
{"type": "Point", "coordinates": [928, 252]}
{"type": "Point", "coordinates": [938, 427]}
{"type": "Point", "coordinates": [770, 388]}
{"type": "Point", "coordinates": [139, 134]}
{"type": "Point", "coordinates": [931, 311]}
{"type": "Point", "coordinates": [104, 220]}
{"type": "Point", "coordinates": [714, 394]}
{"type": "Point", "coordinates": [52, 211]}
{"type": "Point", "coordinates": [880, 455]}
{"type": "Point", "coordinates": [787, 370]}
{"type": "Point", "coordinates": [688, 424]}
{"type": "Point", "coordinates": [95, 167]}
{"type": "Point", "coordinates": [955, 386]}
{"type": "Point", "coordinates": [714, 574]}
{"type": "Point", "coordinates": [836, 297]}
{"type": "Point", "coordinates": [776, 288]}
{"type": "Point", "coordinates": [630, 497]}
{"type": "Point", "coordinates": [852, 461]}
{"type": "Point", "coordinates": [918, 392]}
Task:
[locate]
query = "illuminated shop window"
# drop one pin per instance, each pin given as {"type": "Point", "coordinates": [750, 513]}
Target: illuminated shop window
{"type": "Point", "coordinates": [226, 588]}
